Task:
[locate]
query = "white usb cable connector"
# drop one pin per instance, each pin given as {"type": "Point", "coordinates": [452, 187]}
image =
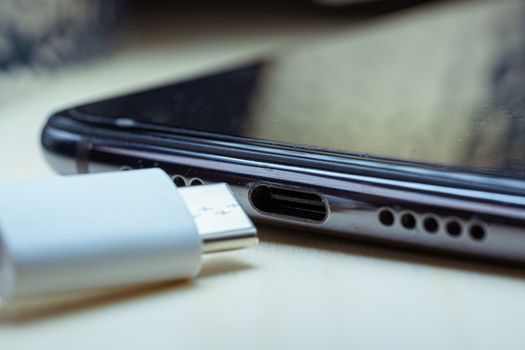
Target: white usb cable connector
{"type": "Point", "coordinates": [113, 229]}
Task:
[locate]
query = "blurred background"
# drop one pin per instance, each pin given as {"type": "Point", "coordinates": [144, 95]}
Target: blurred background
{"type": "Point", "coordinates": [459, 67]}
{"type": "Point", "coordinates": [56, 54]}
{"type": "Point", "coordinates": [41, 37]}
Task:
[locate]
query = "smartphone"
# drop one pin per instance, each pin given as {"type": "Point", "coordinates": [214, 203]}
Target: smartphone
{"type": "Point", "coordinates": [409, 130]}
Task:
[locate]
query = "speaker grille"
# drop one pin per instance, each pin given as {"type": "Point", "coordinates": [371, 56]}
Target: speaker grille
{"type": "Point", "coordinates": [431, 223]}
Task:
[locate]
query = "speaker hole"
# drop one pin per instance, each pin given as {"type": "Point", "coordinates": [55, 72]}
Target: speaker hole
{"type": "Point", "coordinates": [408, 221]}
{"type": "Point", "coordinates": [196, 182]}
{"type": "Point", "coordinates": [454, 228]}
{"type": "Point", "coordinates": [125, 168]}
{"type": "Point", "coordinates": [431, 225]}
{"type": "Point", "coordinates": [477, 232]}
{"type": "Point", "coordinates": [386, 217]}
{"type": "Point", "coordinates": [179, 181]}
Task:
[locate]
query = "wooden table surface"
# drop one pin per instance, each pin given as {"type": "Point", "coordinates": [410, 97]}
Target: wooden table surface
{"type": "Point", "coordinates": [294, 290]}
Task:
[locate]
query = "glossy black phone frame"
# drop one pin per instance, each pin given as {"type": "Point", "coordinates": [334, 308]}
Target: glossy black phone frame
{"type": "Point", "coordinates": [358, 191]}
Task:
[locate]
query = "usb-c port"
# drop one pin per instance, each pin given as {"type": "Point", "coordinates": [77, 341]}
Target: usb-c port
{"type": "Point", "coordinates": [289, 203]}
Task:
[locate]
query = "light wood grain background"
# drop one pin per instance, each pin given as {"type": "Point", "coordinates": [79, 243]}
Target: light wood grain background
{"type": "Point", "coordinates": [296, 289]}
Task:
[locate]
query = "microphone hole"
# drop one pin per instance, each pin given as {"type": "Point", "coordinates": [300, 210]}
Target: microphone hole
{"type": "Point", "coordinates": [477, 232]}
{"type": "Point", "coordinates": [454, 228]}
{"type": "Point", "coordinates": [179, 181]}
{"type": "Point", "coordinates": [196, 182]}
{"type": "Point", "coordinates": [386, 217]}
{"type": "Point", "coordinates": [431, 225]}
{"type": "Point", "coordinates": [408, 221]}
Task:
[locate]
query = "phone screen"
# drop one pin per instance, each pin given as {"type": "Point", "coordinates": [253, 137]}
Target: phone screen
{"type": "Point", "coordinates": [443, 84]}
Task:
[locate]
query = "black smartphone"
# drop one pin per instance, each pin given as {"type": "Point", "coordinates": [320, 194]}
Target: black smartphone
{"type": "Point", "coordinates": [407, 130]}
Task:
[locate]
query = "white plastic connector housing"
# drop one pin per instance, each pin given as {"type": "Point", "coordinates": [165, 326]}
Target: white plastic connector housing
{"type": "Point", "coordinates": [103, 230]}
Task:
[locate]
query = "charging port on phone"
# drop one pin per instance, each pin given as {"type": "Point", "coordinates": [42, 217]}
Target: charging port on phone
{"type": "Point", "coordinates": [289, 203]}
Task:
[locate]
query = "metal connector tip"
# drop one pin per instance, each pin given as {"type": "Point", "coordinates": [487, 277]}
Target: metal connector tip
{"type": "Point", "coordinates": [221, 222]}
